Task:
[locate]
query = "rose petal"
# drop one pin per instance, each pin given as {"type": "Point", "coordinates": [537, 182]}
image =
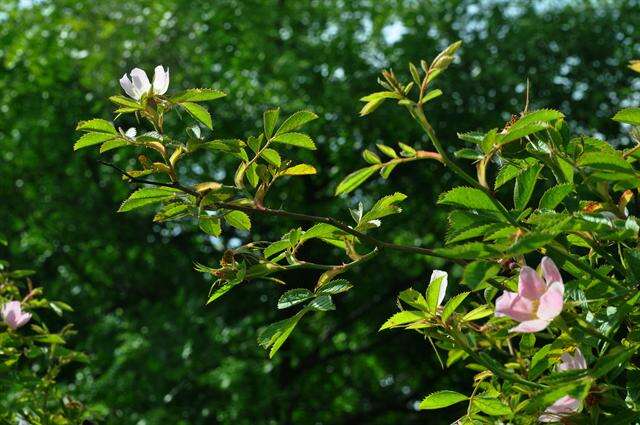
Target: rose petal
{"type": "Point", "coordinates": [530, 285]}
{"type": "Point", "coordinates": [140, 81]}
{"type": "Point", "coordinates": [530, 326]}
{"type": "Point", "coordinates": [128, 88]}
{"type": "Point", "coordinates": [436, 274]}
{"type": "Point", "coordinates": [551, 302]}
{"type": "Point", "coordinates": [569, 362]}
{"type": "Point", "coordinates": [550, 271]}
{"type": "Point", "coordinates": [160, 80]}
{"type": "Point", "coordinates": [23, 319]}
{"type": "Point", "coordinates": [517, 307]}
{"type": "Point", "coordinates": [562, 407]}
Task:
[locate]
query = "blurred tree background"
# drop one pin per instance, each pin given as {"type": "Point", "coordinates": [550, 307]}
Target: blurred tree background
{"type": "Point", "coordinates": [159, 355]}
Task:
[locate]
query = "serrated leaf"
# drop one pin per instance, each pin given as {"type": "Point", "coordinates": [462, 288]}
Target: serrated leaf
{"type": "Point", "coordinates": [468, 197]}
{"type": "Point", "coordinates": [147, 196]}
{"type": "Point", "coordinates": [295, 139]}
{"type": "Point", "coordinates": [441, 399]}
{"type": "Point", "coordinates": [491, 406]}
{"type": "Point", "coordinates": [525, 184]}
{"type": "Point", "coordinates": [451, 306]}
{"type": "Point", "coordinates": [91, 139]}
{"type": "Point", "coordinates": [293, 297]}
{"type": "Point", "coordinates": [270, 118]}
{"type": "Point", "coordinates": [197, 95]}
{"type": "Point", "coordinates": [477, 272]}
{"type": "Point", "coordinates": [274, 335]}
{"type": "Point", "coordinates": [468, 251]}
{"type": "Point", "coordinates": [300, 170]}
{"type": "Point", "coordinates": [335, 287]}
{"type": "Point", "coordinates": [276, 247]}
{"type": "Point", "coordinates": [322, 303]}
{"type": "Point", "coordinates": [355, 179]}
{"type": "Point", "coordinates": [198, 112]}
{"type": "Point", "coordinates": [555, 195]}
{"type": "Point", "coordinates": [384, 207]}
{"type": "Point", "coordinates": [210, 225]}
{"type": "Point", "coordinates": [628, 116]}
{"type": "Point", "coordinates": [296, 121]}
{"type": "Point", "coordinates": [271, 156]}
{"type": "Point", "coordinates": [433, 293]}
{"type": "Point", "coordinates": [478, 313]}
{"type": "Point", "coordinates": [113, 144]}
{"type": "Point", "coordinates": [125, 101]}
{"type": "Point", "coordinates": [476, 137]}
{"type": "Point", "coordinates": [402, 318]}
{"type": "Point", "coordinates": [238, 219]}
{"type": "Point", "coordinates": [97, 125]}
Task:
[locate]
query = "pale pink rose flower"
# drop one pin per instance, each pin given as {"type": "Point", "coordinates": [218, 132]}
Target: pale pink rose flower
{"type": "Point", "coordinates": [13, 315]}
{"type": "Point", "coordinates": [537, 302]}
{"type": "Point", "coordinates": [139, 84]}
{"type": "Point", "coordinates": [566, 405]}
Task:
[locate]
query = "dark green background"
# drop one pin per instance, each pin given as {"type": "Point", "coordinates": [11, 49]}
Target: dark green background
{"type": "Point", "coordinates": [159, 356]}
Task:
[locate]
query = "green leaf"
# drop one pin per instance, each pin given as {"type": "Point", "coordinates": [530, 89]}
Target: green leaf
{"type": "Point", "coordinates": [384, 207]}
{"type": "Point", "coordinates": [238, 219]}
{"type": "Point", "coordinates": [555, 195]}
{"type": "Point", "coordinates": [525, 183]}
{"type": "Point", "coordinates": [381, 95]}
{"type": "Point", "coordinates": [431, 94]}
{"type": "Point", "coordinates": [491, 406]}
{"type": "Point", "coordinates": [125, 101]}
{"type": "Point", "coordinates": [322, 303]}
{"type": "Point", "coordinates": [210, 225]}
{"type": "Point", "coordinates": [371, 106]}
{"type": "Point", "coordinates": [468, 197]}
{"type": "Point", "coordinates": [529, 242]}
{"type": "Point", "coordinates": [468, 251]}
{"type": "Point", "coordinates": [91, 139]}
{"type": "Point", "coordinates": [370, 157]}
{"type": "Point", "coordinates": [270, 118]}
{"type": "Point", "coordinates": [628, 116]}
{"type": "Point", "coordinates": [296, 121]}
{"type": "Point", "coordinates": [402, 318]}
{"type": "Point", "coordinates": [274, 335]}
{"type": "Point", "coordinates": [616, 357]}
{"type": "Point", "coordinates": [171, 212]}
{"type": "Point", "coordinates": [441, 399]}
{"type": "Point", "coordinates": [146, 196]}
{"type": "Point", "coordinates": [433, 293]}
{"type": "Point", "coordinates": [53, 339]}
{"type": "Point", "coordinates": [276, 247]}
{"type": "Point", "coordinates": [451, 306]}
{"type": "Point", "coordinates": [197, 95]}
{"type": "Point", "coordinates": [97, 125]}
{"type": "Point", "coordinates": [577, 389]}
{"type": "Point", "coordinates": [477, 272]}
{"type": "Point", "coordinates": [296, 139]}
{"type": "Point", "coordinates": [198, 112]}
{"type": "Point", "coordinates": [355, 179]}
{"type": "Point", "coordinates": [300, 170]}
{"type": "Point", "coordinates": [293, 297]}
{"type": "Point", "coordinates": [387, 150]}
{"type": "Point", "coordinates": [320, 230]}
{"type": "Point", "coordinates": [335, 287]}
{"type": "Point", "coordinates": [113, 144]}
{"type": "Point", "coordinates": [478, 313]}
{"type": "Point", "coordinates": [271, 156]}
